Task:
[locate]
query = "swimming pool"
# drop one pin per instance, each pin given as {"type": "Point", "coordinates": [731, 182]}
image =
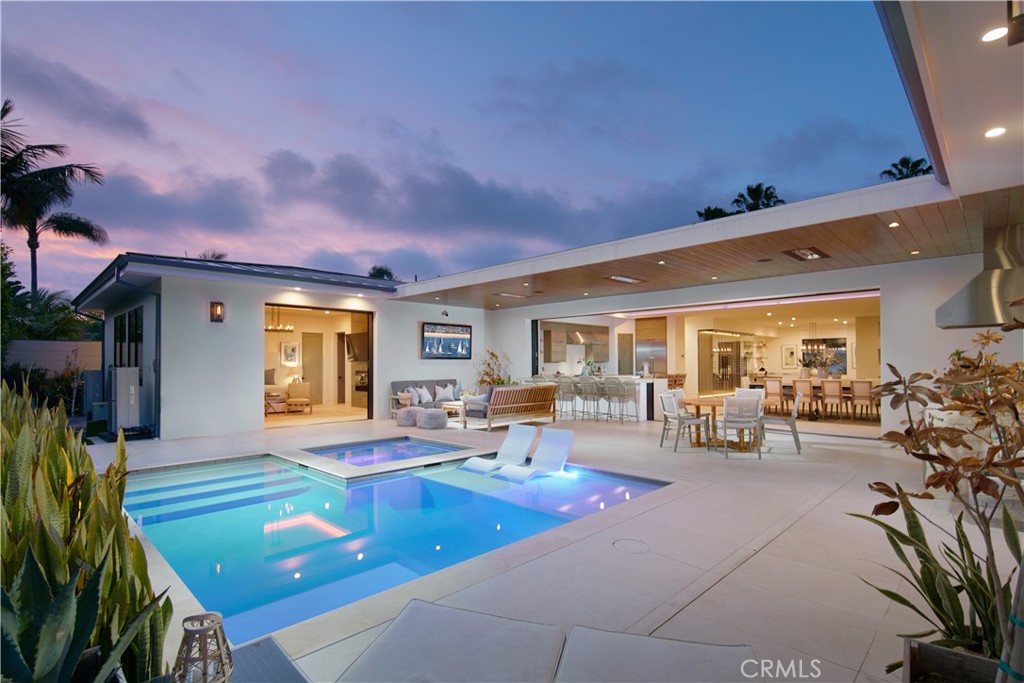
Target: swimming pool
{"type": "Point", "coordinates": [269, 544]}
{"type": "Point", "coordinates": [383, 451]}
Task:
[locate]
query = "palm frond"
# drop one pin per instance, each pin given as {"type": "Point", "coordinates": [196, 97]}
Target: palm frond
{"type": "Point", "coordinates": [65, 224]}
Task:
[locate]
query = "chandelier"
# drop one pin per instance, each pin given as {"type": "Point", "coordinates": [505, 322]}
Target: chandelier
{"type": "Point", "coordinates": [278, 327]}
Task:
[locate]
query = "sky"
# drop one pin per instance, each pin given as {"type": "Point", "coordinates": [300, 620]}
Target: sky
{"type": "Point", "coordinates": [438, 137]}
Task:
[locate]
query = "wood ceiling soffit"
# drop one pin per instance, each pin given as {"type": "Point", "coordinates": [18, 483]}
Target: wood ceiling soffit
{"type": "Point", "coordinates": [932, 217]}
{"type": "Point", "coordinates": [953, 217]}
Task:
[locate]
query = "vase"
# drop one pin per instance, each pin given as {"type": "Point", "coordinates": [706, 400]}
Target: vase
{"type": "Point", "coordinates": [805, 373]}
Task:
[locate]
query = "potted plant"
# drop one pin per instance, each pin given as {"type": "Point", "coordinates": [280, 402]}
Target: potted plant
{"type": "Point", "coordinates": [809, 360]}
{"type": "Point", "coordinates": [966, 426]}
{"type": "Point", "coordinates": [493, 370]}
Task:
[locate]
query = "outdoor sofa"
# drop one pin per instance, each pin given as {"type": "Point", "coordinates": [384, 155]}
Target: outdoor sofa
{"type": "Point", "coordinates": [431, 385]}
{"type": "Point", "coordinates": [516, 403]}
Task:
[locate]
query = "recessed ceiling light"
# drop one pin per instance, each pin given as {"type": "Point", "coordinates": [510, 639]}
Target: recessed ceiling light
{"type": "Point", "coordinates": [327, 312]}
{"type": "Point", "coordinates": [845, 322]}
{"type": "Point", "coordinates": [526, 284]}
{"type": "Point", "coordinates": [437, 298]}
{"type": "Point", "coordinates": [769, 314]}
{"type": "Point", "coordinates": [359, 295]}
{"type": "Point", "coordinates": [806, 253]}
{"type": "Point", "coordinates": [835, 320]}
{"type": "Point", "coordinates": [714, 277]}
{"type": "Point", "coordinates": [586, 293]}
{"type": "Point", "coordinates": [510, 295]}
{"type": "Point", "coordinates": [915, 252]}
{"type": "Point", "coordinates": [894, 224]}
{"type": "Point", "coordinates": [780, 322]}
{"type": "Point", "coordinates": [497, 305]}
{"type": "Point", "coordinates": [792, 325]}
{"type": "Point", "coordinates": [297, 289]}
{"type": "Point", "coordinates": [661, 263]}
{"type": "Point", "coordinates": [994, 34]}
{"type": "Point", "coordinates": [793, 318]}
{"type": "Point", "coordinates": [624, 278]}
{"type": "Point", "coordinates": [995, 132]}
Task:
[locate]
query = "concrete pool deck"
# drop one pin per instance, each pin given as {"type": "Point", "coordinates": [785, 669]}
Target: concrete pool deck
{"type": "Point", "coordinates": [734, 551]}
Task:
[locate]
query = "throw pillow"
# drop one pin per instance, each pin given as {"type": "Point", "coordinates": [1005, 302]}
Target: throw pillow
{"type": "Point", "coordinates": [445, 393]}
{"type": "Point", "coordinates": [405, 399]}
{"type": "Point", "coordinates": [424, 394]}
{"type": "Point", "coordinates": [413, 394]}
{"type": "Point", "coordinates": [269, 376]}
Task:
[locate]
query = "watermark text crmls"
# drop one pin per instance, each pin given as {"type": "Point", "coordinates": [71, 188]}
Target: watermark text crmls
{"type": "Point", "coordinates": [769, 669]}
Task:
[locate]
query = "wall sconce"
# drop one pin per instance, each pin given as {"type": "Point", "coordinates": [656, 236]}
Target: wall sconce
{"type": "Point", "coordinates": [216, 311]}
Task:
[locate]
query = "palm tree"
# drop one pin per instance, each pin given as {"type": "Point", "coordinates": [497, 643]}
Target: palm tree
{"type": "Point", "coordinates": [381, 273]}
{"type": "Point", "coordinates": [29, 192]}
{"type": "Point", "coordinates": [757, 197]}
{"type": "Point", "coordinates": [906, 167]}
{"type": "Point", "coordinates": [710, 213]}
{"type": "Point", "coordinates": [212, 255]}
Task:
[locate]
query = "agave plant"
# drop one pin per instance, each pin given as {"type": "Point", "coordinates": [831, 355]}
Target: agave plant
{"type": "Point", "coordinates": [969, 431]}
{"type": "Point", "coordinates": [56, 509]}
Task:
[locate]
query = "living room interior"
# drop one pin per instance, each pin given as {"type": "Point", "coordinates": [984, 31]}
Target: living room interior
{"type": "Point", "coordinates": [316, 365]}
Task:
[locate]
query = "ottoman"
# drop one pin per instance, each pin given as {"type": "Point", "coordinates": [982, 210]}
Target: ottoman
{"type": "Point", "coordinates": [406, 417]}
{"type": "Point", "coordinates": [432, 418]}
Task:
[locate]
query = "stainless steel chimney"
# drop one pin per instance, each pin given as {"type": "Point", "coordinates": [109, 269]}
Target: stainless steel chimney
{"type": "Point", "coordinates": [982, 303]}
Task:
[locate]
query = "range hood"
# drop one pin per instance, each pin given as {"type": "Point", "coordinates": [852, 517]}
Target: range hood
{"type": "Point", "coordinates": [583, 337]}
{"type": "Point", "coordinates": [982, 303]}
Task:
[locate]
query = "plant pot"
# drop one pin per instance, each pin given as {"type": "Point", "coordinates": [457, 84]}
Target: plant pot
{"type": "Point", "coordinates": [925, 661]}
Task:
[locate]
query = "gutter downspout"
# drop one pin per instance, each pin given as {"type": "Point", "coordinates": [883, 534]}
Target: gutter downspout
{"type": "Point", "coordinates": [156, 345]}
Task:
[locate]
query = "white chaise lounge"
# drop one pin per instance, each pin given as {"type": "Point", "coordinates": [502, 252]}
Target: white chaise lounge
{"type": "Point", "coordinates": [550, 456]}
{"type": "Point", "coordinates": [513, 451]}
{"type": "Point", "coordinates": [430, 642]}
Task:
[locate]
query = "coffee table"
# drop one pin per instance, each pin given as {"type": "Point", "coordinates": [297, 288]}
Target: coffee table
{"type": "Point", "coordinates": [453, 408]}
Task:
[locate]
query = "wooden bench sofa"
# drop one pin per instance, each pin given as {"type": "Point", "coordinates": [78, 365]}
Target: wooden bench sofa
{"type": "Point", "coordinates": [505, 404]}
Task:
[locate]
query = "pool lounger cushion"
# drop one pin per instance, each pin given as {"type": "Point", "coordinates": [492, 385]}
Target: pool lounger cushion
{"type": "Point", "coordinates": [594, 655]}
{"type": "Point", "coordinates": [429, 642]}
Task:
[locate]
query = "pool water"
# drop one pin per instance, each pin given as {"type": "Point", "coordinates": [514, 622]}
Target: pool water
{"type": "Point", "coordinates": [382, 451]}
{"type": "Point", "coordinates": [269, 544]}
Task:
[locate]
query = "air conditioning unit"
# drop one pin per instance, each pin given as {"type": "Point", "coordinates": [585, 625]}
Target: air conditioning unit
{"type": "Point", "coordinates": [126, 397]}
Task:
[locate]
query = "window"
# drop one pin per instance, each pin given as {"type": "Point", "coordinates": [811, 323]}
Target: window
{"type": "Point", "coordinates": [128, 339]}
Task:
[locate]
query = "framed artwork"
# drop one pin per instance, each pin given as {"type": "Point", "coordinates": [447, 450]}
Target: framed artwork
{"type": "Point", "coordinates": [789, 356]}
{"type": "Point", "coordinates": [441, 340]}
{"type": "Point", "coordinates": [290, 354]}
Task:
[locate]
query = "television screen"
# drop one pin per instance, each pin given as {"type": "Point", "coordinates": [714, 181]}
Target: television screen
{"type": "Point", "coordinates": [446, 341]}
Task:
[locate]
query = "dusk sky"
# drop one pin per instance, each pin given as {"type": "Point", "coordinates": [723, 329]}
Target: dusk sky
{"type": "Point", "coordinates": [435, 137]}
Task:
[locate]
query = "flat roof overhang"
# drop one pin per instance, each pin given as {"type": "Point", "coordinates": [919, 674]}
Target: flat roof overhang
{"type": "Point", "coordinates": [851, 228]}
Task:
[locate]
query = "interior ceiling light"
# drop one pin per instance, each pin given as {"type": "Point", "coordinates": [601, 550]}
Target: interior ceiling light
{"type": "Point", "coordinates": [806, 254]}
{"type": "Point", "coordinates": [754, 303]}
{"type": "Point", "coordinates": [894, 224]}
{"type": "Point", "coordinates": [510, 295]}
{"type": "Point", "coordinates": [994, 132]}
{"type": "Point", "coordinates": [994, 34]}
{"type": "Point", "coordinates": [624, 278]}
{"type": "Point", "coordinates": [769, 314]}
{"type": "Point", "coordinates": [661, 263]}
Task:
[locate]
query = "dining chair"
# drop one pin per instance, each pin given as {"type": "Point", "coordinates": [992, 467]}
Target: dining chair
{"type": "Point", "coordinates": [806, 387]}
{"type": "Point", "coordinates": [629, 391]}
{"type": "Point", "coordinates": [741, 414]}
{"type": "Point", "coordinates": [860, 397]}
{"type": "Point", "coordinates": [789, 421]}
{"type": "Point", "coordinates": [674, 417]}
{"type": "Point", "coordinates": [832, 395]}
{"type": "Point", "coordinates": [773, 394]}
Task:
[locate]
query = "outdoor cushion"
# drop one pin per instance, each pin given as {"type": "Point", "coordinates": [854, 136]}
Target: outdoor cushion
{"type": "Point", "coordinates": [413, 394]}
{"type": "Point", "coordinates": [429, 642]}
{"type": "Point", "coordinates": [594, 655]}
{"type": "Point", "coordinates": [405, 399]}
{"type": "Point", "coordinates": [424, 395]}
{"type": "Point", "coordinates": [406, 417]}
{"type": "Point", "coordinates": [445, 393]}
{"type": "Point", "coordinates": [432, 418]}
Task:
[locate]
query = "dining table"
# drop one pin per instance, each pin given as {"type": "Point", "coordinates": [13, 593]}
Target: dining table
{"type": "Point", "coordinates": [713, 403]}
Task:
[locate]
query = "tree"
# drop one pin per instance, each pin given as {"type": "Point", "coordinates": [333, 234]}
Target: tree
{"type": "Point", "coordinates": [30, 193]}
{"type": "Point", "coordinates": [381, 273]}
{"type": "Point", "coordinates": [710, 213]}
{"type": "Point", "coordinates": [906, 167]}
{"type": "Point", "coordinates": [757, 197]}
{"type": "Point", "coordinates": [212, 255]}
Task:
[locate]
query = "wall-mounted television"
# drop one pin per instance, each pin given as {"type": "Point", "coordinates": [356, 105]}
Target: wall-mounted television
{"type": "Point", "coordinates": [357, 344]}
{"type": "Point", "coordinates": [440, 340]}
